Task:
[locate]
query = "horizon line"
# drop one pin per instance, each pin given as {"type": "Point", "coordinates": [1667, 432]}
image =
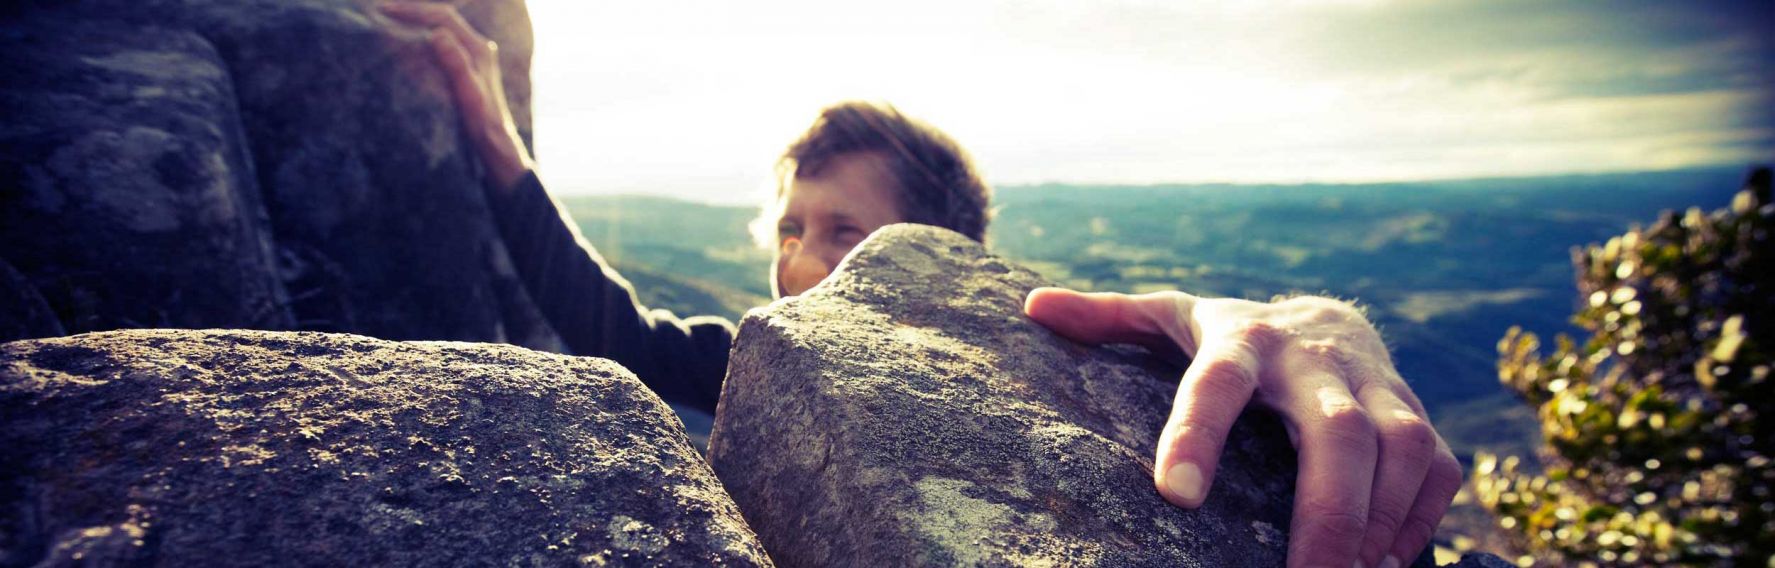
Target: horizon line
{"type": "Point", "coordinates": [1027, 185]}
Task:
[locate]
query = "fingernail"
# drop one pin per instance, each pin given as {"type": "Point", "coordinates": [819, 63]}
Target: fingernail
{"type": "Point", "coordinates": [1185, 481]}
{"type": "Point", "coordinates": [1389, 562]}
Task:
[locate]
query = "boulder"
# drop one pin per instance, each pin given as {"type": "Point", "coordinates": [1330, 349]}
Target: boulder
{"type": "Point", "coordinates": [127, 196]}
{"type": "Point", "coordinates": [375, 196]}
{"type": "Point", "coordinates": [266, 164]}
{"type": "Point", "coordinates": [906, 412]}
{"type": "Point", "coordinates": [160, 447]}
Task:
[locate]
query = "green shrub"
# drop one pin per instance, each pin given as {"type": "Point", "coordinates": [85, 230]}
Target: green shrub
{"type": "Point", "coordinates": [1657, 430]}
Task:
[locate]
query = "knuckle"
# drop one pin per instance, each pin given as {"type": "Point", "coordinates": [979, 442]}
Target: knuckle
{"type": "Point", "coordinates": [1340, 525]}
{"type": "Point", "coordinates": [1447, 472]}
{"type": "Point", "coordinates": [1226, 376]}
{"type": "Point", "coordinates": [1256, 333]}
{"type": "Point", "coordinates": [1333, 353]}
{"type": "Point", "coordinates": [1350, 422]}
{"type": "Point", "coordinates": [1195, 428]}
{"type": "Point", "coordinates": [1385, 520]}
{"type": "Point", "coordinates": [1410, 437]}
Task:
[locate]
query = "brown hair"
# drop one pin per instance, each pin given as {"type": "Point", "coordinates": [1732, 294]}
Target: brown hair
{"type": "Point", "coordinates": [936, 178]}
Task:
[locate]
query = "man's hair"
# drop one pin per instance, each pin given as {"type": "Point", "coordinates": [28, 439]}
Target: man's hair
{"type": "Point", "coordinates": [936, 179]}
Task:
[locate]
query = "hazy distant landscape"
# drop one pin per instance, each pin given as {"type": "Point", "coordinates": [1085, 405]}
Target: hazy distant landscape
{"type": "Point", "coordinates": [1445, 267]}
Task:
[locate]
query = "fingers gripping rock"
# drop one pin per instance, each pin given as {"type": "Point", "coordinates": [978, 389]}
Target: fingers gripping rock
{"type": "Point", "coordinates": [905, 411]}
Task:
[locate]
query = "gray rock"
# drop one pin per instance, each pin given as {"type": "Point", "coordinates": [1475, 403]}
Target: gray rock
{"type": "Point", "coordinates": [375, 197]}
{"type": "Point", "coordinates": [331, 139]}
{"type": "Point", "coordinates": [127, 195]}
{"type": "Point", "coordinates": [182, 448]}
{"type": "Point", "coordinates": [905, 412]}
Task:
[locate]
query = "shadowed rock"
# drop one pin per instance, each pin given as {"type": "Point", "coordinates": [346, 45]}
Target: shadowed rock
{"type": "Point", "coordinates": [268, 164]}
{"type": "Point", "coordinates": [23, 315]}
{"type": "Point", "coordinates": [376, 198]}
{"type": "Point", "coordinates": [905, 411]}
{"type": "Point", "coordinates": [127, 196]}
{"type": "Point", "coordinates": [182, 448]}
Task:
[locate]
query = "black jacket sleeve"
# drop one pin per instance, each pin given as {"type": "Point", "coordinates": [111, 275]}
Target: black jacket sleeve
{"type": "Point", "coordinates": [595, 311]}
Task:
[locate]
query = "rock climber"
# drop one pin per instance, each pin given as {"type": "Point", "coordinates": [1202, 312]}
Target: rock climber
{"type": "Point", "coordinates": [1375, 478]}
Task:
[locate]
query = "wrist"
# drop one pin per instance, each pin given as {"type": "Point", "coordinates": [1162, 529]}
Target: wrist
{"type": "Point", "coordinates": [506, 162]}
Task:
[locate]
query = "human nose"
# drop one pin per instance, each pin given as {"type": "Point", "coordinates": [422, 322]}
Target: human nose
{"type": "Point", "coordinates": [799, 269]}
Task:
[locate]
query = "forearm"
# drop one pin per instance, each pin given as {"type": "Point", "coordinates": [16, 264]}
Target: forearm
{"type": "Point", "coordinates": [596, 312]}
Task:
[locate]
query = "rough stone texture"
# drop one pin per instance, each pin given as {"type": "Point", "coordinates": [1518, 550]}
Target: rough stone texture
{"type": "Point", "coordinates": [181, 448]}
{"type": "Point", "coordinates": [269, 164]}
{"type": "Point", "coordinates": [126, 192]}
{"type": "Point", "coordinates": [905, 412]}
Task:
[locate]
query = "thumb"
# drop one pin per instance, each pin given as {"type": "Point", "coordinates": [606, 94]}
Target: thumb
{"type": "Point", "coordinates": [1159, 321]}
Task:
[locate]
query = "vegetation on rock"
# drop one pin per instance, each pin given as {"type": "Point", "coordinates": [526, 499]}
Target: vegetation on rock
{"type": "Point", "coordinates": [1657, 430]}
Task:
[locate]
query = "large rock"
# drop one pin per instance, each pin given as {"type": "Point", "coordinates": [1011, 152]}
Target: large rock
{"type": "Point", "coordinates": [905, 412]}
{"type": "Point", "coordinates": [269, 164]}
{"type": "Point", "coordinates": [180, 448]}
{"type": "Point", "coordinates": [127, 195]}
{"type": "Point", "coordinates": [375, 198]}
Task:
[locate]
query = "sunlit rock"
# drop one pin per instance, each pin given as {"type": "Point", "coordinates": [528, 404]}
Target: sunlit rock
{"type": "Point", "coordinates": [197, 448]}
{"type": "Point", "coordinates": [906, 412]}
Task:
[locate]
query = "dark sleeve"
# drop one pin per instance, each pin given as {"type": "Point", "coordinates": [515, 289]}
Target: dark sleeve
{"type": "Point", "coordinates": [595, 311]}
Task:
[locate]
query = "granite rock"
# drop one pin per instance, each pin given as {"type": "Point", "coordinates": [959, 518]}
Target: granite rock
{"type": "Point", "coordinates": [159, 447]}
{"type": "Point", "coordinates": [127, 196]}
{"type": "Point", "coordinates": [906, 412]}
{"type": "Point", "coordinates": [266, 164]}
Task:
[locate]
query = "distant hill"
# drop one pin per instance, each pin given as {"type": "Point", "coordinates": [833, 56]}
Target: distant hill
{"type": "Point", "coordinates": [689, 258]}
{"type": "Point", "coordinates": [1444, 267]}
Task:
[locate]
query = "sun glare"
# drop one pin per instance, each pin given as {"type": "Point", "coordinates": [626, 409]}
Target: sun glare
{"type": "Point", "coordinates": [694, 99]}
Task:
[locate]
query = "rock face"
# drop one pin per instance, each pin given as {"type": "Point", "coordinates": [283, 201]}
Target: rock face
{"type": "Point", "coordinates": [129, 194]}
{"type": "Point", "coordinates": [180, 448]}
{"type": "Point", "coordinates": [905, 412]}
{"type": "Point", "coordinates": [267, 164]}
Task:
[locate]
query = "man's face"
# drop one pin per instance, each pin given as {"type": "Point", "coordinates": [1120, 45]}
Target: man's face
{"type": "Point", "coordinates": [825, 215]}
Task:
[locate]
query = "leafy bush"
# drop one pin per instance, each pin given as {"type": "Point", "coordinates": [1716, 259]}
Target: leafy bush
{"type": "Point", "coordinates": [1657, 431]}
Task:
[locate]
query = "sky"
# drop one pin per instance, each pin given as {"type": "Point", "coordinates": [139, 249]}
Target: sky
{"type": "Point", "coordinates": [694, 99]}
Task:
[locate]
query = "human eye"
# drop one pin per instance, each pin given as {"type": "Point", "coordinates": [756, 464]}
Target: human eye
{"type": "Point", "coordinates": [788, 230]}
{"type": "Point", "coordinates": [849, 235]}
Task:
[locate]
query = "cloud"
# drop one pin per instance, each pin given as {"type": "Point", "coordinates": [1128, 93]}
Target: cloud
{"type": "Point", "coordinates": [1561, 48]}
{"type": "Point", "coordinates": [694, 98]}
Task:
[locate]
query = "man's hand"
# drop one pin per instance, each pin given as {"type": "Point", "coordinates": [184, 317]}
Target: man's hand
{"type": "Point", "coordinates": [471, 64]}
{"type": "Point", "coordinates": [1374, 479]}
